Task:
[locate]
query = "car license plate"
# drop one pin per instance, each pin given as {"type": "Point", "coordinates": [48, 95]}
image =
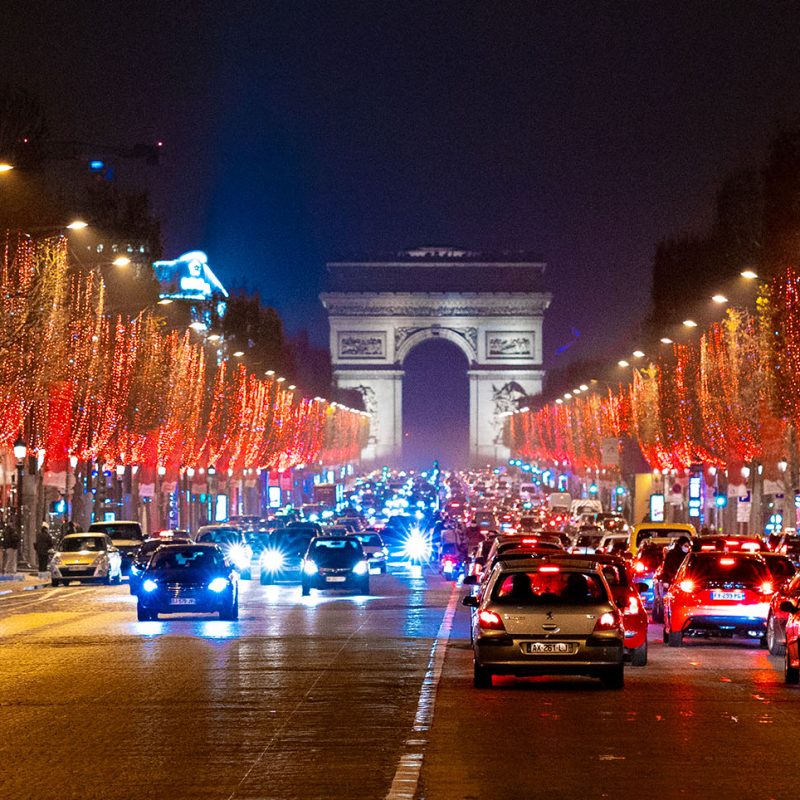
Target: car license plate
{"type": "Point", "coordinates": [550, 648]}
{"type": "Point", "coordinates": [182, 601]}
{"type": "Point", "coordinates": [736, 595]}
{"type": "Point", "coordinates": [336, 579]}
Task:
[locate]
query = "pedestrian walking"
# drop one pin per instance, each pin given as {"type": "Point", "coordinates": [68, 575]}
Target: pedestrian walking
{"type": "Point", "coordinates": [11, 542]}
{"type": "Point", "coordinates": [43, 545]}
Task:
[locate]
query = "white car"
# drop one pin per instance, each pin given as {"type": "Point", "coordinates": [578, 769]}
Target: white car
{"type": "Point", "coordinates": [86, 557]}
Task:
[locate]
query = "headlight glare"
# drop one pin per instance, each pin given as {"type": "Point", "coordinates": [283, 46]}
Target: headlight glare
{"type": "Point", "coordinates": [272, 560]}
{"type": "Point", "coordinates": [218, 585]}
{"type": "Point", "coordinates": [361, 568]}
{"type": "Point", "coordinates": [149, 585]}
{"type": "Point", "coordinates": [310, 568]}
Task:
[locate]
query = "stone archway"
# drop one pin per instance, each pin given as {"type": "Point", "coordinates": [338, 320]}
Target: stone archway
{"type": "Point", "coordinates": [492, 308]}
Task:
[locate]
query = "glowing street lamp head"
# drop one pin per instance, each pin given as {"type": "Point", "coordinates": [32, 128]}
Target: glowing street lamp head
{"type": "Point", "coordinates": [720, 298]}
{"type": "Point", "coordinates": [6, 167]}
{"type": "Point", "coordinates": [666, 340]}
{"type": "Point", "coordinates": [77, 225]}
{"type": "Point", "coordinates": [638, 354]}
{"type": "Point", "coordinates": [623, 363]}
{"type": "Point", "coordinates": [121, 261]}
{"type": "Point", "coordinates": [748, 274]}
{"type": "Point", "coordinates": [690, 323]}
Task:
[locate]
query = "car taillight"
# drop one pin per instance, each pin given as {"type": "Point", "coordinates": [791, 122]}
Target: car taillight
{"type": "Point", "coordinates": [686, 586]}
{"type": "Point", "coordinates": [727, 562]}
{"type": "Point", "coordinates": [639, 567]}
{"type": "Point", "coordinates": [633, 605]}
{"type": "Point", "coordinates": [767, 587]}
{"type": "Point", "coordinates": [489, 621]}
{"type": "Point", "coordinates": [608, 621]}
{"type": "Point", "coordinates": [549, 568]}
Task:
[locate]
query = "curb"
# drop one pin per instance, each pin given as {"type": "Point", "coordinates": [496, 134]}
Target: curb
{"type": "Point", "coordinates": [30, 588]}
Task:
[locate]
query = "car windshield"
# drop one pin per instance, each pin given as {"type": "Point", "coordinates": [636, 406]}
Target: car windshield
{"type": "Point", "coordinates": [75, 544]}
{"type": "Point", "coordinates": [259, 539]}
{"type": "Point", "coordinates": [720, 568]}
{"type": "Point", "coordinates": [369, 539]}
{"type": "Point", "coordinates": [149, 546]}
{"type": "Point", "coordinates": [118, 531]}
{"type": "Point", "coordinates": [187, 558]}
{"type": "Point", "coordinates": [292, 541]}
{"type": "Point", "coordinates": [336, 552]}
{"type": "Point", "coordinates": [549, 588]}
{"type": "Point", "coordinates": [220, 536]}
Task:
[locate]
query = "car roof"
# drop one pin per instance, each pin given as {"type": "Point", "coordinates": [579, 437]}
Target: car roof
{"type": "Point", "coordinates": [181, 546]}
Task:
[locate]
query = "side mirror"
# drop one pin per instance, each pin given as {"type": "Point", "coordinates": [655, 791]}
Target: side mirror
{"type": "Point", "coordinates": [470, 600]}
{"type": "Point", "coordinates": [470, 580]}
{"type": "Point", "coordinates": [787, 605]}
{"type": "Point", "coordinates": [642, 587]}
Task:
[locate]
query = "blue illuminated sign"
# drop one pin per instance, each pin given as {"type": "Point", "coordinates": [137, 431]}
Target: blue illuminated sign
{"type": "Point", "coordinates": [188, 277]}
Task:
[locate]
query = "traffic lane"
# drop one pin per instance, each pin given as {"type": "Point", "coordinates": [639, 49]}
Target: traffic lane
{"type": "Point", "coordinates": [710, 717]}
{"type": "Point", "coordinates": [303, 697]}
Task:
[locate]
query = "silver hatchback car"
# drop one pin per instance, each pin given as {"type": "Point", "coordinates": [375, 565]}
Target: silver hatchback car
{"type": "Point", "coordinates": [545, 617]}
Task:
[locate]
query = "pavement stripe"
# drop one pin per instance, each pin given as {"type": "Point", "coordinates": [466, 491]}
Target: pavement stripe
{"type": "Point", "coordinates": [406, 777]}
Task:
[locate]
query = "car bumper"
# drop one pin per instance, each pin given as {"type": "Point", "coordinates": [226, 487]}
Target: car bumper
{"type": "Point", "coordinates": [61, 573]}
{"type": "Point", "coordinates": [505, 656]}
{"type": "Point", "coordinates": [187, 604]}
{"type": "Point", "coordinates": [725, 623]}
{"type": "Point", "coordinates": [322, 582]}
{"type": "Point", "coordinates": [635, 637]}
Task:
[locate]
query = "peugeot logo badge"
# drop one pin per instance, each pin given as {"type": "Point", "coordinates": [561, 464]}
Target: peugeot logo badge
{"type": "Point", "coordinates": [549, 615]}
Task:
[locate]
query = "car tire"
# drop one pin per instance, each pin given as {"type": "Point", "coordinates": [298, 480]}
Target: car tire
{"type": "Point", "coordinates": [54, 581]}
{"type": "Point", "coordinates": [266, 580]}
{"type": "Point", "coordinates": [305, 590]}
{"type": "Point", "coordinates": [774, 647]}
{"type": "Point", "coordinates": [790, 674]}
{"type": "Point", "coordinates": [675, 639]}
{"type": "Point", "coordinates": [481, 677]}
{"type": "Point", "coordinates": [142, 614]}
{"type": "Point", "coordinates": [231, 611]}
{"type": "Point", "coordinates": [364, 588]}
{"type": "Point", "coordinates": [639, 656]}
{"type": "Point", "coordinates": [613, 678]}
{"type": "Point", "coordinates": [664, 635]}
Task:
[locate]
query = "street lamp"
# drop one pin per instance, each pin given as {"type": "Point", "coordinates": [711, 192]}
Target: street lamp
{"type": "Point", "coordinates": [20, 452]}
{"type": "Point", "coordinates": [77, 225]}
{"type": "Point", "coordinates": [5, 167]}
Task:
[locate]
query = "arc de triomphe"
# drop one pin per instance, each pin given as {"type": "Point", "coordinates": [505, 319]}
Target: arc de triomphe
{"type": "Point", "coordinates": [491, 307]}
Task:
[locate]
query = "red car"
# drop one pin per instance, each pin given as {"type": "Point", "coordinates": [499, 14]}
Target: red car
{"type": "Point", "coordinates": [776, 620]}
{"type": "Point", "coordinates": [622, 582]}
{"type": "Point", "coordinates": [718, 594]}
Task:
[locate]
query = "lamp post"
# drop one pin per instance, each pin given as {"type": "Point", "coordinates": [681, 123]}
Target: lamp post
{"type": "Point", "coordinates": [20, 453]}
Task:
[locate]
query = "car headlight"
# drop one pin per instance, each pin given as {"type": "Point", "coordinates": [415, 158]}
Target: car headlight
{"type": "Point", "coordinates": [272, 560]}
{"type": "Point", "coordinates": [149, 585]}
{"type": "Point", "coordinates": [218, 585]}
{"type": "Point", "coordinates": [361, 568]}
{"type": "Point", "coordinates": [240, 556]}
{"type": "Point", "coordinates": [310, 568]}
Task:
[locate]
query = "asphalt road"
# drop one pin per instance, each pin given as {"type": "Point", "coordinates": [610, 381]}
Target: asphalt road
{"type": "Point", "coordinates": [333, 697]}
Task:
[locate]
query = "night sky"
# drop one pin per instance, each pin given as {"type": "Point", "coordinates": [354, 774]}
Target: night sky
{"type": "Point", "coordinates": [295, 131]}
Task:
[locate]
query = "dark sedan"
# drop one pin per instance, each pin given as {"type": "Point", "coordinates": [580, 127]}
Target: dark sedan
{"type": "Point", "coordinates": [188, 578]}
{"type": "Point", "coordinates": [335, 562]}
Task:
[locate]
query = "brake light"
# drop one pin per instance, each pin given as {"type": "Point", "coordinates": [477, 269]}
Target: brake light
{"type": "Point", "coordinates": [489, 621]}
{"type": "Point", "coordinates": [639, 567]}
{"type": "Point", "coordinates": [549, 568]}
{"type": "Point", "coordinates": [767, 587]}
{"type": "Point", "coordinates": [607, 622]}
{"type": "Point", "coordinates": [707, 547]}
{"type": "Point", "coordinates": [727, 562]}
{"type": "Point", "coordinates": [731, 542]}
{"type": "Point", "coordinates": [751, 546]}
{"type": "Point", "coordinates": [633, 605]}
{"type": "Point", "coordinates": [686, 586]}
{"type": "Point", "coordinates": [530, 541]}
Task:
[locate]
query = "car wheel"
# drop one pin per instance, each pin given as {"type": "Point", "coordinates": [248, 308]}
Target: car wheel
{"type": "Point", "coordinates": [481, 677]}
{"type": "Point", "coordinates": [365, 587]}
{"type": "Point", "coordinates": [675, 639]}
{"type": "Point", "coordinates": [54, 582]}
{"type": "Point", "coordinates": [142, 614]}
{"type": "Point", "coordinates": [613, 678]}
{"type": "Point", "coordinates": [773, 645]}
{"type": "Point", "coordinates": [664, 635]}
{"type": "Point", "coordinates": [790, 674]}
{"type": "Point", "coordinates": [230, 612]}
{"type": "Point", "coordinates": [639, 656]}
{"type": "Point", "coordinates": [266, 579]}
{"type": "Point", "coordinates": [305, 590]}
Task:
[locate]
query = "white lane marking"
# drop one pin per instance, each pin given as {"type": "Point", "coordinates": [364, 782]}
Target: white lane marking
{"type": "Point", "coordinates": [409, 768]}
{"type": "Point", "coordinates": [27, 603]}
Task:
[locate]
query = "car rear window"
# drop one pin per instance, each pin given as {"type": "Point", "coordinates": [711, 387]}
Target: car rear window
{"type": "Point", "coordinates": [549, 588]}
{"type": "Point", "coordinates": [335, 552]}
{"type": "Point", "coordinates": [651, 556]}
{"type": "Point", "coordinates": [221, 536]}
{"type": "Point", "coordinates": [659, 533]}
{"type": "Point", "coordinates": [780, 567]}
{"type": "Point", "coordinates": [718, 568]}
{"type": "Point", "coordinates": [119, 531]}
{"type": "Point", "coordinates": [369, 539]}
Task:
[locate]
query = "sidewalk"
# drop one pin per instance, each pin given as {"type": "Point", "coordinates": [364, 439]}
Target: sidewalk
{"type": "Point", "coordinates": [23, 582]}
